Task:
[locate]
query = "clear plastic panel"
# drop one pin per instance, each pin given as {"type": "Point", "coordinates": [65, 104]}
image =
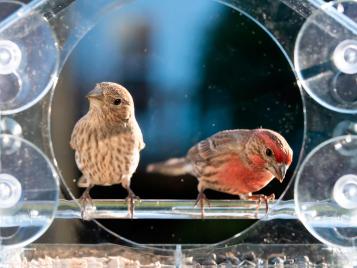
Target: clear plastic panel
{"type": "Point", "coordinates": [26, 176]}
{"type": "Point", "coordinates": [329, 176]}
{"type": "Point", "coordinates": [37, 39]}
{"type": "Point", "coordinates": [28, 58]}
{"type": "Point", "coordinates": [326, 56]}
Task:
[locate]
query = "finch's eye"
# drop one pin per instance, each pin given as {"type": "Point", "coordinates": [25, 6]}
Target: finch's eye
{"type": "Point", "coordinates": [268, 152]}
{"type": "Point", "coordinates": [117, 101]}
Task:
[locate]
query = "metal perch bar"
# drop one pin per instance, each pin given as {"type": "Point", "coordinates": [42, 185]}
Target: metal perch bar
{"type": "Point", "coordinates": [38, 213]}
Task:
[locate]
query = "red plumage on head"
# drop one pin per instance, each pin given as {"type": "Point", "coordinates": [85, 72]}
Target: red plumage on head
{"type": "Point", "coordinates": [281, 149]}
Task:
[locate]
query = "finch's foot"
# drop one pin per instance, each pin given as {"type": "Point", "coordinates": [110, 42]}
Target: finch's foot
{"type": "Point", "coordinates": [86, 203]}
{"type": "Point", "coordinates": [131, 202]}
{"type": "Point", "coordinates": [259, 198]}
{"type": "Point", "coordinates": [201, 200]}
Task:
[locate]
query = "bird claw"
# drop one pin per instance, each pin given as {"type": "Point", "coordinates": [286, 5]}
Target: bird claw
{"type": "Point", "coordinates": [259, 198]}
{"type": "Point", "coordinates": [86, 203]}
{"type": "Point", "coordinates": [131, 203]}
{"type": "Point", "coordinates": [202, 199]}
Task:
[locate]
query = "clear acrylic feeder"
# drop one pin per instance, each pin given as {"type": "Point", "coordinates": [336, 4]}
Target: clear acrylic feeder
{"type": "Point", "coordinates": [193, 68]}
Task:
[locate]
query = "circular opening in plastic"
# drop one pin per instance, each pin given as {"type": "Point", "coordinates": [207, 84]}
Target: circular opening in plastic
{"type": "Point", "coordinates": [28, 58]}
{"type": "Point", "coordinates": [190, 78]}
{"type": "Point", "coordinates": [28, 192]}
{"type": "Point", "coordinates": [328, 210]}
{"type": "Point", "coordinates": [325, 56]}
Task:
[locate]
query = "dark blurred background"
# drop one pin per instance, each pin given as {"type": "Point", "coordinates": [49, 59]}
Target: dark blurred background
{"type": "Point", "coordinates": [194, 68]}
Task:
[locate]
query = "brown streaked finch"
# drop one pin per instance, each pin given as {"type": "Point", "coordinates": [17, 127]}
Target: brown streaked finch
{"type": "Point", "coordinates": [108, 140]}
{"type": "Point", "coordinates": [237, 162]}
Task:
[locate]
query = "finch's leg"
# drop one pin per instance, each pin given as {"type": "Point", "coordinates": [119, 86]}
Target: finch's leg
{"type": "Point", "coordinates": [259, 198]}
{"type": "Point", "coordinates": [130, 199]}
{"type": "Point", "coordinates": [201, 199]}
{"type": "Point", "coordinates": [131, 202]}
{"type": "Point", "coordinates": [85, 200]}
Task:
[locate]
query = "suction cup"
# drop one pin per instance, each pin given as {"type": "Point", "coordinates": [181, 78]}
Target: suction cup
{"type": "Point", "coordinates": [28, 192]}
{"type": "Point", "coordinates": [326, 192]}
{"type": "Point", "coordinates": [28, 57]}
{"type": "Point", "coordinates": [325, 56]}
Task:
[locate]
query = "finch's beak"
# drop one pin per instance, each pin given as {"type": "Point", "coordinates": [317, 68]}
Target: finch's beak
{"type": "Point", "coordinates": [96, 93]}
{"type": "Point", "coordinates": [280, 171]}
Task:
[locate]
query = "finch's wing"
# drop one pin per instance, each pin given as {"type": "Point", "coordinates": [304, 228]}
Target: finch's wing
{"type": "Point", "coordinates": [139, 136]}
{"type": "Point", "coordinates": [73, 142]}
{"type": "Point", "coordinates": [75, 135]}
{"type": "Point", "coordinates": [142, 145]}
{"type": "Point", "coordinates": [83, 182]}
{"type": "Point", "coordinates": [78, 160]}
{"type": "Point", "coordinates": [141, 141]}
{"type": "Point", "coordinates": [220, 143]}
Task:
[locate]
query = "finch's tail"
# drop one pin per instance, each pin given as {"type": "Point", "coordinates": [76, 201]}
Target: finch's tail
{"type": "Point", "coordinates": [171, 167]}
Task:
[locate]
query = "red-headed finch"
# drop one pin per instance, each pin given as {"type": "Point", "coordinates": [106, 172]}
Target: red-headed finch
{"type": "Point", "coordinates": [107, 140]}
{"type": "Point", "coordinates": [237, 162]}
